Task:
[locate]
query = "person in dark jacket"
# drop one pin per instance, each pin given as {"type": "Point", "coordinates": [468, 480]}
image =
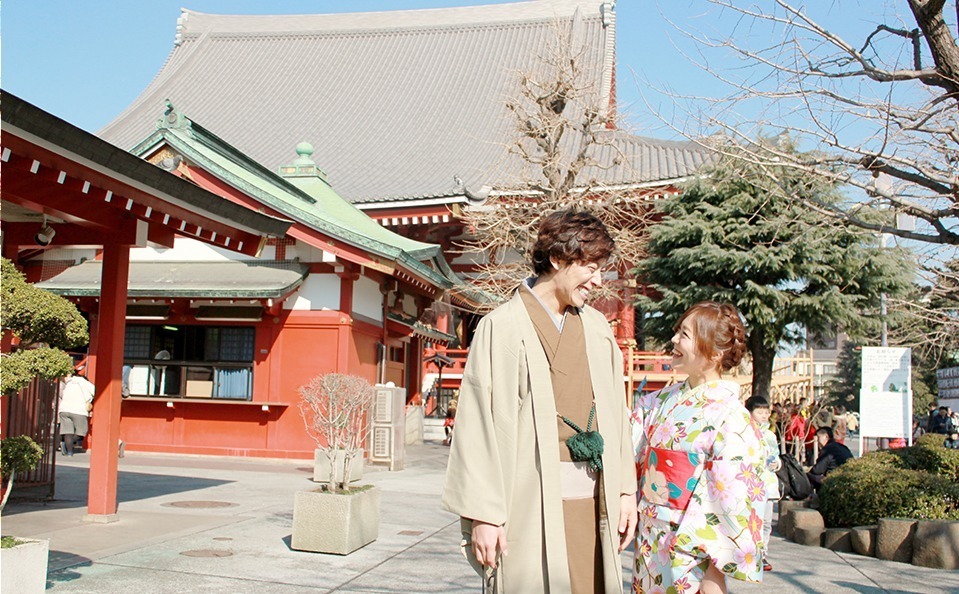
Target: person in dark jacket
{"type": "Point", "coordinates": [832, 455]}
{"type": "Point", "coordinates": [942, 423]}
{"type": "Point", "coordinates": [931, 417]}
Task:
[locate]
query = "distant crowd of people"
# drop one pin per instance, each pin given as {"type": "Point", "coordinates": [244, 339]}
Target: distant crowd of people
{"type": "Point", "coordinates": [797, 426]}
{"type": "Point", "coordinates": [941, 420]}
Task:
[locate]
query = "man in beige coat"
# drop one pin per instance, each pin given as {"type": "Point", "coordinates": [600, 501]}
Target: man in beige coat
{"type": "Point", "coordinates": [510, 475]}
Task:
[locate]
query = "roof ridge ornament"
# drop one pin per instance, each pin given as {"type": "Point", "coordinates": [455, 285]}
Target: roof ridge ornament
{"type": "Point", "coordinates": [303, 165]}
{"type": "Point", "coordinates": [477, 197]}
{"type": "Point", "coordinates": [181, 27]}
{"type": "Point", "coordinates": [172, 118]}
{"type": "Point", "coordinates": [608, 10]}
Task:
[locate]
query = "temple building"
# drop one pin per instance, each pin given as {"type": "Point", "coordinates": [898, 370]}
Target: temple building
{"type": "Point", "coordinates": [217, 343]}
{"type": "Point", "coordinates": [64, 190]}
{"type": "Point", "coordinates": [409, 110]}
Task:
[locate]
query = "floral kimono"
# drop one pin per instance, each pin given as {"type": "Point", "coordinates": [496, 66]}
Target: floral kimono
{"type": "Point", "coordinates": [702, 494]}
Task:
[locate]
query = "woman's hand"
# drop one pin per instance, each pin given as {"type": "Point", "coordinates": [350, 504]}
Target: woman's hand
{"type": "Point", "coordinates": [627, 520]}
{"type": "Point", "coordinates": [489, 541]}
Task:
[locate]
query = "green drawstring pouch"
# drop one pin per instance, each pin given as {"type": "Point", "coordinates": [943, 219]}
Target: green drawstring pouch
{"type": "Point", "coordinates": [586, 446]}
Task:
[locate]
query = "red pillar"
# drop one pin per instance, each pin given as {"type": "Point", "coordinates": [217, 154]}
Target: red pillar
{"type": "Point", "coordinates": [626, 330]}
{"type": "Point", "coordinates": [344, 334]}
{"type": "Point", "coordinates": [111, 324]}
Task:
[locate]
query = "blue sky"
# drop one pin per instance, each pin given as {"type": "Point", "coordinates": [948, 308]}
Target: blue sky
{"type": "Point", "coordinates": [86, 60]}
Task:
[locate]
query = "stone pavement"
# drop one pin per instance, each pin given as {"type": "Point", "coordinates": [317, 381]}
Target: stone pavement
{"type": "Point", "coordinates": [211, 524]}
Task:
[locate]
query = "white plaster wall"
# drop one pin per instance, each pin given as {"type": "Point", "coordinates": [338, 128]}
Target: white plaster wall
{"type": "Point", "coordinates": [409, 305]}
{"type": "Point", "coordinates": [308, 253]}
{"type": "Point", "coordinates": [318, 291]}
{"type": "Point", "coordinates": [367, 299]}
{"type": "Point", "coordinates": [75, 254]}
{"type": "Point", "coordinates": [185, 249]}
{"type": "Point", "coordinates": [468, 258]}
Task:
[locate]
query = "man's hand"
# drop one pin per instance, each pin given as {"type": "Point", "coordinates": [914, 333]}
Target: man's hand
{"type": "Point", "coordinates": [627, 520]}
{"type": "Point", "coordinates": [489, 541]}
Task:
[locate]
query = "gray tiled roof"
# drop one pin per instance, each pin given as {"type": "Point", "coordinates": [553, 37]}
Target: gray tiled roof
{"type": "Point", "coordinates": [396, 103]}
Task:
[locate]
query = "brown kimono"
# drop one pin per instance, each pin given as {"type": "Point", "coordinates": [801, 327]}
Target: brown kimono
{"type": "Point", "coordinates": [573, 394]}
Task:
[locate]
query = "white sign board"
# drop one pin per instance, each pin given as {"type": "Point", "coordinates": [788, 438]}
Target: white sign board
{"type": "Point", "coordinates": [885, 414]}
{"type": "Point", "coordinates": [885, 401]}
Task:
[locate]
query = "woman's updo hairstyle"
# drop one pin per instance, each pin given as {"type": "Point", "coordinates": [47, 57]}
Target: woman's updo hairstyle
{"type": "Point", "coordinates": [718, 328]}
{"type": "Point", "coordinates": [570, 236]}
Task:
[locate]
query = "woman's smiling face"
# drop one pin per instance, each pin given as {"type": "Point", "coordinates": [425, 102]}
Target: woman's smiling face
{"type": "Point", "coordinates": [686, 357]}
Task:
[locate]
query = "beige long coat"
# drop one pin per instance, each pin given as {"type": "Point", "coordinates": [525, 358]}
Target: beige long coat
{"type": "Point", "coordinates": [504, 464]}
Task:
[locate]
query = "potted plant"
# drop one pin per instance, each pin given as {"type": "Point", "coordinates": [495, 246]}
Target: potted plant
{"type": "Point", "coordinates": [337, 518]}
{"type": "Point", "coordinates": [23, 561]}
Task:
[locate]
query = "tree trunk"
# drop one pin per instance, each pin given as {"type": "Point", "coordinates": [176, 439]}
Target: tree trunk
{"type": "Point", "coordinates": [763, 357]}
{"type": "Point", "coordinates": [942, 46]}
{"type": "Point", "coordinates": [7, 487]}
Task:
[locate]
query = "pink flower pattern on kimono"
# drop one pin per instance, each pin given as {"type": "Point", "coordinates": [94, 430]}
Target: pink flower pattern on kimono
{"type": "Point", "coordinates": [756, 490]}
{"type": "Point", "coordinates": [665, 432]}
{"type": "Point", "coordinates": [715, 525]}
{"type": "Point", "coordinates": [682, 585]}
{"type": "Point", "coordinates": [724, 485]}
{"type": "Point", "coordinates": [745, 557]}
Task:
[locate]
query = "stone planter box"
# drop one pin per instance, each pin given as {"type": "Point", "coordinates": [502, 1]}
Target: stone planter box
{"type": "Point", "coordinates": [838, 539]}
{"type": "Point", "coordinates": [786, 523]}
{"type": "Point", "coordinates": [894, 539]}
{"type": "Point", "coordinates": [927, 543]}
{"type": "Point", "coordinates": [864, 540]}
{"type": "Point", "coordinates": [23, 568]}
{"type": "Point", "coordinates": [807, 527]}
{"type": "Point", "coordinates": [936, 544]}
{"type": "Point", "coordinates": [337, 523]}
{"type": "Point", "coordinates": [321, 466]}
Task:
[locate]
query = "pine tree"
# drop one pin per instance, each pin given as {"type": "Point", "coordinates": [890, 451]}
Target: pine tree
{"type": "Point", "coordinates": [44, 324]}
{"type": "Point", "coordinates": [844, 387]}
{"type": "Point", "coordinates": [740, 234]}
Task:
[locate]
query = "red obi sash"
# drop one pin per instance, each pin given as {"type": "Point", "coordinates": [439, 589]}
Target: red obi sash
{"type": "Point", "coordinates": [670, 476]}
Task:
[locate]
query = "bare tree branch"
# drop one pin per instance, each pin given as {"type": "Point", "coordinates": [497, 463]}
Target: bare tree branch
{"type": "Point", "coordinates": [561, 130]}
{"type": "Point", "coordinates": [886, 105]}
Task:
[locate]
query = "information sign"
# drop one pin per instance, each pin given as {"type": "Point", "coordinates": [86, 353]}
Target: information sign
{"type": "Point", "coordinates": [885, 400]}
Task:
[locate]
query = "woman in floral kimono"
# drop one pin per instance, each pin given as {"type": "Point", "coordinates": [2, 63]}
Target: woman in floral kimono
{"type": "Point", "coordinates": [700, 457]}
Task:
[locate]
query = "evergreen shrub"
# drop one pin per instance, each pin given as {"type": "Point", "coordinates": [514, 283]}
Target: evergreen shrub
{"type": "Point", "coordinates": [916, 482]}
{"type": "Point", "coordinates": [929, 454]}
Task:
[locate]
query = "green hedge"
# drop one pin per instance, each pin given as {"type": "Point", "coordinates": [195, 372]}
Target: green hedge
{"type": "Point", "coordinates": [917, 482]}
{"type": "Point", "coordinates": [928, 454]}
{"type": "Point", "coordinates": [18, 454]}
{"type": "Point", "coordinates": [18, 369]}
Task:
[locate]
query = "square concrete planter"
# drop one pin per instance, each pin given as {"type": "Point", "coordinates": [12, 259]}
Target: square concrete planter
{"type": "Point", "coordinates": [337, 523]}
{"type": "Point", "coordinates": [23, 568]}
{"type": "Point", "coordinates": [321, 466]}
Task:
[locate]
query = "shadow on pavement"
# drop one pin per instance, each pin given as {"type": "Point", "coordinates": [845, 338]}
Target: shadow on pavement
{"type": "Point", "coordinates": [70, 574]}
{"type": "Point", "coordinates": [72, 484]}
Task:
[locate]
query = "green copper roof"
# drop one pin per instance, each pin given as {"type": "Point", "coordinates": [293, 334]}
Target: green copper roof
{"type": "Point", "coordinates": [240, 279]}
{"type": "Point", "coordinates": [306, 198]}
